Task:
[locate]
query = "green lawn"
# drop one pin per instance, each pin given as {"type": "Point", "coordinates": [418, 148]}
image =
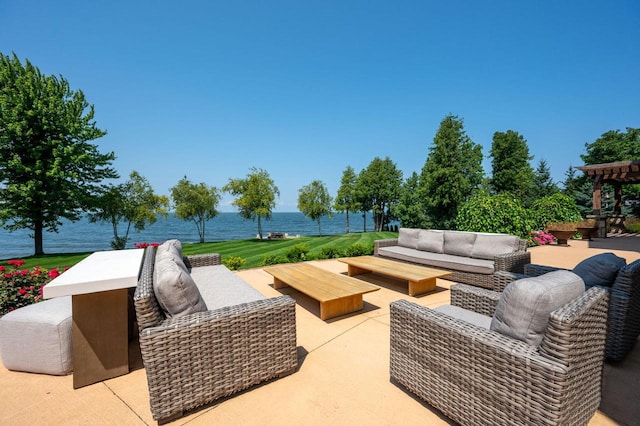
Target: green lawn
{"type": "Point", "coordinates": [253, 250]}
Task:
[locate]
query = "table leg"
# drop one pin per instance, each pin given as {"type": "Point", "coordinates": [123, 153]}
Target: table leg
{"type": "Point", "coordinates": [100, 336]}
{"type": "Point", "coordinates": [342, 306]}
{"type": "Point", "coordinates": [419, 287]}
{"type": "Point", "coordinates": [354, 270]}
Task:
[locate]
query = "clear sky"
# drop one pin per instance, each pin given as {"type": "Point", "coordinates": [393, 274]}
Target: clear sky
{"type": "Point", "coordinates": [303, 89]}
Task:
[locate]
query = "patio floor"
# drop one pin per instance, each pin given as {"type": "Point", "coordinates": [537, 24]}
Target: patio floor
{"type": "Point", "coordinates": [343, 376]}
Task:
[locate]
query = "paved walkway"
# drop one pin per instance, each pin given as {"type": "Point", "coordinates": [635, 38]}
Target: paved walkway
{"type": "Point", "coordinates": [343, 376]}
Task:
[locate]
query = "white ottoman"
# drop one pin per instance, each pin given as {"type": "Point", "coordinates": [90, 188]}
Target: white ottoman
{"type": "Point", "coordinates": [37, 338]}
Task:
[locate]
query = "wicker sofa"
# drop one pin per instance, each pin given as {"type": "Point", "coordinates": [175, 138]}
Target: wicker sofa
{"type": "Point", "coordinates": [239, 339]}
{"type": "Point", "coordinates": [476, 375]}
{"type": "Point", "coordinates": [472, 257]}
{"type": "Point", "coordinates": [623, 327]}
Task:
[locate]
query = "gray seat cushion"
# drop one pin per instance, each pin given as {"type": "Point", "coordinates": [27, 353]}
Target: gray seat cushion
{"type": "Point", "coordinates": [439, 260]}
{"type": "Point", "coordinates": [221, 287]}
{"type": "Point", "coordinates": [524, 306]}
{"type": "Point", "coordinates": [37, 338]}
{"type": "Point", "coordinates": [175, 290]}
{"type": "Point", "coordinates": [600, 269]}
{"type": "Point", "coordinates": [466, 315]}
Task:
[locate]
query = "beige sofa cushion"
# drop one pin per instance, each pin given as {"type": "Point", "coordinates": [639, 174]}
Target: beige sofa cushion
{"type": "Point", "coordinates": [431, 240]}
{"type": "Point", "coordinates": [175, 290]}
{"type": "Point", "coordinates": [408, 237]}
{"type": "Point", "coordinates": [488, 246]}
{"type": "Point", "coordinates": [459, 243]}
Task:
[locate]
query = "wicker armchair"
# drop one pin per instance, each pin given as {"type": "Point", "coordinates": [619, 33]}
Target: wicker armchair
{"type": "Point", "coordinates": [195, 359]}
{"type": "Point", "coordinates": [623, 327]}
{"type": "Point", "coordinates": [478, 376]}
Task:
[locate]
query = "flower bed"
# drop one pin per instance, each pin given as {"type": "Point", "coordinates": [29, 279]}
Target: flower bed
{"type": "Point", "coordinates": [21, 287]}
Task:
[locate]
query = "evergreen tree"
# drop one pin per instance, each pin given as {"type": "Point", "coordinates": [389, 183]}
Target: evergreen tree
{"type": "Point", "coordinates": [410, 210]}
{"type": "Point", "coordinates": [510, 163]}
{"type": "Point", "coordinates": [580, 189]}
{"type": "Point", "coordinates": [451, 173]}
{"type": "Point", "coordinates": [543, 184]}
{"type": "Point", "coordinates": [346, 200]}
{"type": "Point", "coordinates": [48, 168]}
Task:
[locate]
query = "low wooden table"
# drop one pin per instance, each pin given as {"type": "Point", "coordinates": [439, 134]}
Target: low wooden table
{"type": "Point", "coordinates": [421, 278]}
{"type": "Point", "coordinates": [337, 294]}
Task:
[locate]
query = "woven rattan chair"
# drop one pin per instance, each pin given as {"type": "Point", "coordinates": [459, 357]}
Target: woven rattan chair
{"type": "Point", "coordinates": [476, 376]}
{"type": "Point", "coordinates": [623, 327]}
{"type": "Point", "coordinates": [195, 359]}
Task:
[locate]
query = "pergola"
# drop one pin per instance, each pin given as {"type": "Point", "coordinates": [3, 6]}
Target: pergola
{"type": "Point", "coordinates": [615, 174]}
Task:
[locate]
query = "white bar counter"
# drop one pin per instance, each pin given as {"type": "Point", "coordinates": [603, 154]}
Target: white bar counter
{"type": "Point", "coordinates": [99, 287]}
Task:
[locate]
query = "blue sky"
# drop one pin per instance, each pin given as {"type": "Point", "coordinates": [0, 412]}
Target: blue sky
{"type": "Point", "coordinates": [303, 89]}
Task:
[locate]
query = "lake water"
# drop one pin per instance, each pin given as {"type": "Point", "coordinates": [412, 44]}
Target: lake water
{"type": "Point", "coordinates": [82, 236]}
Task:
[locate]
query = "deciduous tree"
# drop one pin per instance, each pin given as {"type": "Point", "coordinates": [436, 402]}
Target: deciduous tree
{"type": "Point", "coordinates": [409, 209]}
{"type": "Point", "coordinates": [132, 203]}
{"type": "Point", "coordinates": [315, 202]}
{"type": "Point", "coordinates": [511, 169]}
{"type": "Point", "coordinates": [48, 168]}
{"type": "Point", "coordinates": [346, 200]}
{"type": "Point", "coordinates": [256, 195]}
{"type": "Point", "coordinates": [379, 187]}
{"type": "Point", "coordinates": [195, 202]}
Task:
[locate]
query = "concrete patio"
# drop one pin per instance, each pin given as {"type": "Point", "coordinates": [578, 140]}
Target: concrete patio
{"type": "Point", "coordinates": [343, 376]}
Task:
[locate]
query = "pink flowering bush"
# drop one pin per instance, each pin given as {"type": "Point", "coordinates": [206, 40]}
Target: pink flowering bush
{"type": "Point", "coordinates": [21, 287]}
{"type": "Point", "coordinates": [540, 238]}
{"type": "Point", "coordinates": [145, 245]}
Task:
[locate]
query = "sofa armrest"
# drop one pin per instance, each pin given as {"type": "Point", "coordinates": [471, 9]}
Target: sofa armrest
{"type": "Point", "coordinates": [197, 260]}
{"type": "Point", "coordinates": [198, 358]}
{"type": "Point", "coordinates": [383, 243]}
{"type": "Point", "coordinates": [533, 270]}
{"type": "Point", "coordinates": [501, 279]}
{"type": "Point", "coordinates": [476, 299]}
{"type": "Point", "coordinates": [513, 262]}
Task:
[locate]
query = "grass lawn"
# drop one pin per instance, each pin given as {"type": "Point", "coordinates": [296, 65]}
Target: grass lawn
{"type": "Point", "coordinates": [253, 250]}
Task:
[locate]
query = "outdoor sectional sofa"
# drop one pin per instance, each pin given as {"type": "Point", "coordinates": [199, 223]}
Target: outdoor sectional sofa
{"type": "Point", "coordinates": [472, 257]}
{"type": "Point", "coordinates": [205, 333]}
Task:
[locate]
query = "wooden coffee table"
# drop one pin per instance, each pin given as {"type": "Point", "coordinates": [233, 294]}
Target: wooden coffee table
{"type": "Point", "coordinates": [337, 294]}
{"type": "Point", "coordinates": [421, 279]}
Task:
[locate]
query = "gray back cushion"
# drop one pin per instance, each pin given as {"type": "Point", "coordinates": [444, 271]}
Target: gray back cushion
{"type": "Point", "coordinates": [459, 243]}
{"type": "Point", "coordinates": [600, 269]}
{"type": "Point", "coordinates": [408, 237]}
{"type": "Point", "coordinates": [174, 246]}
{"type": "Point", "coordinates": [524, 306]}
{"type": "Point", "coordinates": [175, 290]}
{"type": "Point", "coordinates": [488, 246]}
{"type": "Point", "coordinates": [431, 240]}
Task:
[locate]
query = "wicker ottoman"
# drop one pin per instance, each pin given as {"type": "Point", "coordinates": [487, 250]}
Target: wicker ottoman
{"type": "Point", "coordinates": [37, 338]}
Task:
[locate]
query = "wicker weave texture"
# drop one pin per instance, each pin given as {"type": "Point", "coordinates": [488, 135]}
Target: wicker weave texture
{"type": "Point", "coordinates": [513, 262]}
{"type": "Point", "coordinates": [195, 359]}
{"type": "Point", "coordinates": [479, 377]}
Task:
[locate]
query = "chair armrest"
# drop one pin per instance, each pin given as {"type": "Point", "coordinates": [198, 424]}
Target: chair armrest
{"type": "Point", "coordinates": [513, 262]}
{"type": "Point", "coordinates": [197, 358]}
{"type": "Point", "coordinates": [534, 270]}
{"type": "Point", "coordinates": [476, 299]}
{"type": "Point", "coordinates": [197, 260]}
{"type": "Point", "coordinates": [503, 278]}
{"type": "Point", "coordinates": [383, 243]}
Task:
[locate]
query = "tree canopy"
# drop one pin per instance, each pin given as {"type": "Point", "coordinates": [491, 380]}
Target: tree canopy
{"type": "Point", "coordinates": [510, 164]}
{"type": "Point", "coordinates": [195, 202]}
{"type": "Point", "coordinates": [315, 202]}
{"type": "Point", "coordinates": [256, 195]}
{"type": "Point", "coordinates": [451, 173]}
{"type": "Point", "coordinates": [346, 199]}
{"type": "Point", "coordinates": [48, 168]}
{"type": "Point", "coordinates": [379, 187]}
{"type": "Point", "coordinates": [409, 209]}
{"type": "Point", "coordinates": [132, 202]}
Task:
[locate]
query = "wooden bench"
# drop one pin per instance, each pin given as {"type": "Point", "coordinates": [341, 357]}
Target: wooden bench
{"type": "Point", "coordinates": [337, 294]}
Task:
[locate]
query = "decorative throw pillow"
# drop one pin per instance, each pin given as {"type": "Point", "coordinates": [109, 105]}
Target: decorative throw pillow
{"type": "Point", "coordinates": [600, 269]}
{"type": "Point", "coordinates": [524, 306]}
{"type": "Point", "coordinates": [175, 290]}
{"type": "Point", "coordinates": [408, 237]}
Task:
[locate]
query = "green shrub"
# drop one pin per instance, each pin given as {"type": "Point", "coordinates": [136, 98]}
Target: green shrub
{"type": "Point", "coordinates": [272, 259]}
{"type": "Point", "coordinates": [330, 252]}
{"type": "Point", "coordinates": [234, 262]}
{"type": "Point", "coordinates": [500, 213]}
{"type": "Point", "coordinates": [554, 208]}
{"type": "Point", "coordinates": [358, 249]}
{"type": "Point", "coordinates": [297, 253]}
